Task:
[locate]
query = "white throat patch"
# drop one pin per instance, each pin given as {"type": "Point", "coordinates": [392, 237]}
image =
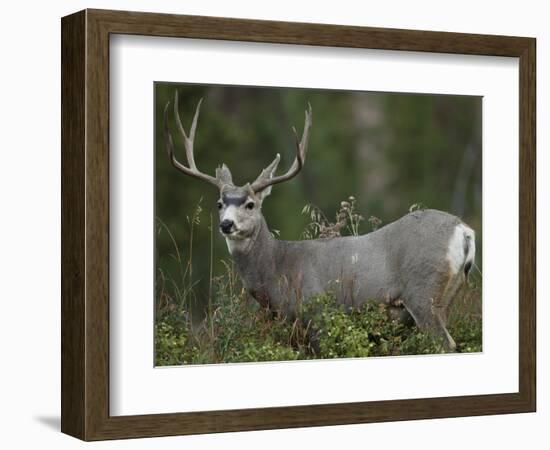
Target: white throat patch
{"type": "Point", "coordinates": [230, 245]}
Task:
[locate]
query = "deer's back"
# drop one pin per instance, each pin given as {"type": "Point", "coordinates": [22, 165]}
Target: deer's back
{"type": "Point", "coordinates": [384, 264]}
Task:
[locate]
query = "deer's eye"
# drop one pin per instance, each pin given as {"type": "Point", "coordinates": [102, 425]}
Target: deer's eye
{"type": "Point", "coordinates": [220, 205]}
{"type": "Point", "coordinates": [249, 205]}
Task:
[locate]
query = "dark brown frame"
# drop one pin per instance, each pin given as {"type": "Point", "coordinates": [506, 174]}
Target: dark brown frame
{"type": "Point", "coordinates": [85, 224]}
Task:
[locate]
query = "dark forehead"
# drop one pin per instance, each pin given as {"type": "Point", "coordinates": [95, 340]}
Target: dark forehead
{"type": "Point", "coordinates": [235, 196]}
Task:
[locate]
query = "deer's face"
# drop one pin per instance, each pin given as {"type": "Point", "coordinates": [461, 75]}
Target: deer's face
{"type": "Point", "coordinates": [240, 212]}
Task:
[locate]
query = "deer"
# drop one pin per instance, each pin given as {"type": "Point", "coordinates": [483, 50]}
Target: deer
{"type": "Point", "coordinates": [417, 264]}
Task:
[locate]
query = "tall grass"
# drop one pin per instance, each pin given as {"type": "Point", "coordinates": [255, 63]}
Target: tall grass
{"type": "Point", "coordinates": [234, 328]}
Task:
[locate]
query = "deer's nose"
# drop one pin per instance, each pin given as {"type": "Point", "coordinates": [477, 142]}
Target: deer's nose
{"type": "Point", "coordinates": [226, 226]}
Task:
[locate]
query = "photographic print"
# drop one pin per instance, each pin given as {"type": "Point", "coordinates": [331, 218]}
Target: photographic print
{"type": "Point", "coordinates": [295, 224]}
{"type": "Point", "coordinates": [321, 209]}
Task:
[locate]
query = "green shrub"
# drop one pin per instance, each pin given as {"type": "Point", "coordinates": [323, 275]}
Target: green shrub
{"type": "Point", "coordinates": [239, 330]}
{"type": "Point", "coordinates": [235, 328]}
{"type": "Point", "coordinates": [172, 346]}
{"type": "Point", "coordinates": [365, 331]}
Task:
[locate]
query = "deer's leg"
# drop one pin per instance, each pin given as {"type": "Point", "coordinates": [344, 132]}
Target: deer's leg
{"type": "Point", "coordinates": [450, 344]}
{"type": "Point", "coordinates": [430, 318]}
{"type": "Point", "coordinates": [451, 291]}
{"type": "Point", "coordinates": [400, 314]}
{"type": "Point", "coordinates": [313, 341]}
{"type": "Point", "coordinates": [441, 308]}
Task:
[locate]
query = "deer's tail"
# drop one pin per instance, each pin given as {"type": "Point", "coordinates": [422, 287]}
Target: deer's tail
{"type": "Point", "coordinates": [469, 249]}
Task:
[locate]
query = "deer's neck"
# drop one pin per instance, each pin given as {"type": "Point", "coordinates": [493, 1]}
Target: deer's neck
{"type": "Point", "coordinates": [259, 242]}
{"type": "Point", "coordinates": [252, 256]}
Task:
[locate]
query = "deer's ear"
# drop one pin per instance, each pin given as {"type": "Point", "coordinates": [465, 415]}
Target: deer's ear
{"type": "Point", "coordinates": [263, 194]}
{"type": "Point", "coordinates": [223, 174]}
{"type": "Point", "coordinates": [267, 174]}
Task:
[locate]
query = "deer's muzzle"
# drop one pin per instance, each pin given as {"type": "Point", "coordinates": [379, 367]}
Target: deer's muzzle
{"type": "Point", "coordinates": [226, 226]}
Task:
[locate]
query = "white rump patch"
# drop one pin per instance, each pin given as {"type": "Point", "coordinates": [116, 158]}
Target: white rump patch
{"type": "Point", "coordinates": [463, 239]}
{"type": "Point", "coordinates": [354, 258]}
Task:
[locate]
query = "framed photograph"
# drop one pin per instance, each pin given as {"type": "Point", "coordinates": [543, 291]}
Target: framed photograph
{"type": "Point", "coordinates": [271, 225]}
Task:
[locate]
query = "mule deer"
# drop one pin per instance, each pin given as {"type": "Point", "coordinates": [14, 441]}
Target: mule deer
{"type": "Point", "coordinates": [420, 261]}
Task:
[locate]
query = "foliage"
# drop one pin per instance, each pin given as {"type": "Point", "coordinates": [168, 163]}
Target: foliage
{"type": "Point", "coordinates": [366, 331]}
{"type": "Point", "coordinates": [239, 330]}
{"type": "Point", "coordinates": [347, 221]}
{"type": "Point", "coordinates": [236, 329]}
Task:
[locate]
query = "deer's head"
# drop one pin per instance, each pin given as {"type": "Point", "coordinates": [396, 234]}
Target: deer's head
{"type": "Point", "coordinates": [239, 206]}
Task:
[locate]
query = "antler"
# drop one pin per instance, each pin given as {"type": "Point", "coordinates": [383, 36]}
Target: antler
{"type": "Point", "coordinates": [265, 179]}
{"type": "Point", "coordinates": [187, 142]}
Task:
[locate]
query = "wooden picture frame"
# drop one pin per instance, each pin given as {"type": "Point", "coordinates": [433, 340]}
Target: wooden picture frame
{"type": "Point", "coordinates": [85, 224]}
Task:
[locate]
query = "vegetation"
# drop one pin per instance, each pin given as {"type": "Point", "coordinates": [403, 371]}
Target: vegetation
{"type": "Point", "coordinates": [389, 149]}
{"type": "Point", "coordinates": [234, 328]}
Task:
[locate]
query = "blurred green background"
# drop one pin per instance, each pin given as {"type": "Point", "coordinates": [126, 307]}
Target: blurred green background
{"type": "Point", "coordinates": [389, 150]}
